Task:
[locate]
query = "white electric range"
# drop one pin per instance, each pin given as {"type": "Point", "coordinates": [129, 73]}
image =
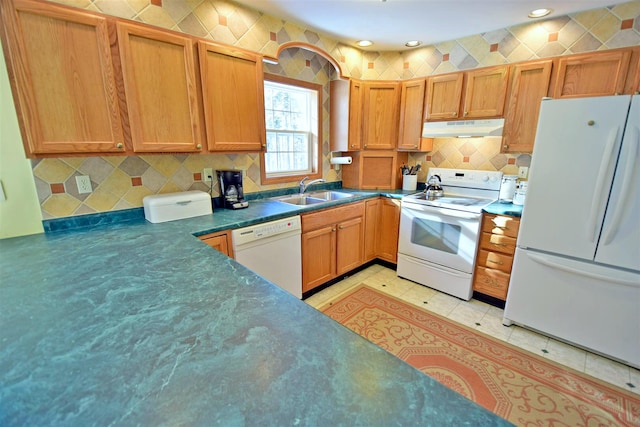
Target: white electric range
{"type": "Point", "coordinates": [439, 237]}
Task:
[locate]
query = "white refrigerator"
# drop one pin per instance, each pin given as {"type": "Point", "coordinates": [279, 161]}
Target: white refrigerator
{"type": "Point", "coordinates": [576, 271]}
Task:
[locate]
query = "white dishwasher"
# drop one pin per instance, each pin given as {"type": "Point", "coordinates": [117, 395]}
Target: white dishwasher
{"type": "Point", "coordinates": [273, 251]}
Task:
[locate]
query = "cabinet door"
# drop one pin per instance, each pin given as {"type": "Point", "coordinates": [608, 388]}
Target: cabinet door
{"type": "Point", "coordinates": [411, 113]}
{"type": "Point", "coordinates": [380, 115]}
{"type": "Point", "coordinates": [374, 170]}
{"type": "Point", "coordinates": [356, 93]}
{"type": "Point", "coordinates": [592, 74]}
{"type": "Point", "coordinates": [318, 257]}
{"type": "Point", "coordinates": [219, 241]}
{"type": "Point", "coordinates": [350, 245]}
{"type": "Point", "coordinates": [160, 87]}
{"type": "Point", "coordinates": [346, 115]}
{"type": "Point", "coordinates": [529, 84]}
{"type": "Point", "coordinates": [389, 224]}
{"type": "Point", "coordinates": [443, 96]}
{"type": "Point", "coordinates": [65, 87]}
{"type": "Point", "coordinates": [233, 97]}
{"type": "Point", "coordinates": [485, 92]}
{"type": "Point", "coordinates": [371, 227]}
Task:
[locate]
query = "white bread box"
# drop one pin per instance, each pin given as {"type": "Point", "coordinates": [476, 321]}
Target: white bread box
{"type": "Point", "coordinates": [172, 206]}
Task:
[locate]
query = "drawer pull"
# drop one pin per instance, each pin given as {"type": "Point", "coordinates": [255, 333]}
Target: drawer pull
{"type": "Point", "coordinates": [498, 244]}
{"type": "Point", "coordinates": [495, 262]}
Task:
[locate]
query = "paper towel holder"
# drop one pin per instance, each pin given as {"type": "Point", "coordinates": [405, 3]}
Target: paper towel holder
{"type": "Point", "coordinates": [335, 159]}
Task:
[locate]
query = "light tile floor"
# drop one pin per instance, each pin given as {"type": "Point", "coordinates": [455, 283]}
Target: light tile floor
{"type": "Point", "coordinates": [485, 318]}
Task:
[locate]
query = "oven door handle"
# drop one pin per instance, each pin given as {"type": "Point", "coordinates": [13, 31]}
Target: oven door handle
{"type": "Point", "coordinates": [442, 269]}
{"type": "Point", "coordinates": [441, 211]}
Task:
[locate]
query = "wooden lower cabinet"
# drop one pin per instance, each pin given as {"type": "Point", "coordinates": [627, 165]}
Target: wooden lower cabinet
{"type": "Point", "coordinates": [382, 225]}
{"type": "Point", "coordinates": [495, 255]}
{"type": "Point", "coordinates": [220, 241]}
{"type": "Point", "coordinates": [371, 226]}
{"type": "Point", "coordinates": [349, 245]}
{"type": "Point", "coordinates": [388, 229]}
{"type": "Point", "coordinates": [332, 243]}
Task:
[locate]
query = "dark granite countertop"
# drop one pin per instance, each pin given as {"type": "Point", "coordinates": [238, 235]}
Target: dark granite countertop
{"type": "Point", "coordinates": [143, 324]}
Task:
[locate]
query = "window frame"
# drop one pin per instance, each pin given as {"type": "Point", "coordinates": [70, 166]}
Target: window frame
{"type": "Point", "coordinates": [316, 145]}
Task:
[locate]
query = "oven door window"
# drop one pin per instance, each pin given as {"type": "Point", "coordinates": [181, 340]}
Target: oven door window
{"type": "Point", "coordinates": [436, 235]}
{"type": "Point", "coordinates": [440, 236]}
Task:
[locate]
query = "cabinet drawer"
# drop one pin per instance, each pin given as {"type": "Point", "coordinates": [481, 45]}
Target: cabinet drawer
{"type": "Point", "coordinates": [497, 243]}
{"type": "Point", "coordinates": [330, 216]}
{"type": "Point", "coordinates": [491, 282]}
{"type": "Point", "coordinates": [501, 225]}
{"type": "Point", "coordinates": [495, 260]}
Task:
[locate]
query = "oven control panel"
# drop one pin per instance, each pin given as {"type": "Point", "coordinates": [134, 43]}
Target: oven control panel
{"type": "Point", "coordinates": [485, 180]}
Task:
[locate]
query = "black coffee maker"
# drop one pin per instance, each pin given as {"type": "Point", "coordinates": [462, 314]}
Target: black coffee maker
{"type": "Point", "coordinates": [231, 189]}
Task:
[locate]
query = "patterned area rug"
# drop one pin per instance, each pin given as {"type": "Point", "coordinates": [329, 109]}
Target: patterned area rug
{"type": "Point", "coordinates": [517, 385]}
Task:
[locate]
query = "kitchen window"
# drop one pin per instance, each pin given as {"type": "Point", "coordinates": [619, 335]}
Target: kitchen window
{"type": "Point", "coordinates": [292, 117]}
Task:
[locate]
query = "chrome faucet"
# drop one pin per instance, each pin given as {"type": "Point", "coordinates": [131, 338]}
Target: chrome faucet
{"type": "Point", "coordinates": [304, 186]}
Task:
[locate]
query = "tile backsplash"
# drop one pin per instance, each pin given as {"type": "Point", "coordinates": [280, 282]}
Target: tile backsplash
{"type": "Point", "coordinates": [122, 182]}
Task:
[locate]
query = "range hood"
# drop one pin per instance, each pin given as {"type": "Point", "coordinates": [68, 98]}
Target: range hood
{"type": "Point", "coordinates": [462, 128]}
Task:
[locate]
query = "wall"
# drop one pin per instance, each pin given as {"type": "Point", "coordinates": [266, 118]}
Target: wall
{"type": "Point", "coordinates": [121, 182]}
{"type": "Point", "coordinates": [20, 212]}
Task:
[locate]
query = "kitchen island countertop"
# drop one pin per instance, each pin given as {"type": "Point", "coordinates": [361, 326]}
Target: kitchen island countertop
{"type": "Point", "coordinates": [143, 324]}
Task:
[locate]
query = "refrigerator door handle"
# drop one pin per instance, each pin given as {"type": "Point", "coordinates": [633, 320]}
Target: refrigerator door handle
{"type": "Point", "coordinates": [548, 263]}
{"type": "Point", "coordinates": [634, 141]}
{"type": "Point", "coordinates": [596, 201]}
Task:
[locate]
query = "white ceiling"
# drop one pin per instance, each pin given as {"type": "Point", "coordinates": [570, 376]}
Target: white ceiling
{"type": "Point", "coordinates": [391, 23]}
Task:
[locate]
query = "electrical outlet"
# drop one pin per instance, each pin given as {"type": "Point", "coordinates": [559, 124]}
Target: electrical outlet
{"type": "Point", "coordinates": [523, 172]}
{"type": "Point", "coordinates": [206, 173]}
{"type": "Point", "coordinates": [84, 184]}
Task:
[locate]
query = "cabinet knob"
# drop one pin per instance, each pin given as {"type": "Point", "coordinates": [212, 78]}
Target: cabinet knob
{"type": "Point", "coordinates": [119, 145]}
{"type": "Point", "coordinates": [466, 113]}
{"type": "Point", "coordinates": [591, 122]}
{"type": "Point", "coordinates": [353, 145]}
{"type": "Point", "coordinates": [455, 114]}
{"type": "Point", "coordinates": [415, 146]}
{"type": "Point", "coordinates": [333, 230]}
{"type": "Point", "coordinates": [505, 146]}
{"type": "Point", "coordinates": [199, 146]}
{"type": "Point", "coordinates": [365, 145]}
{"type": "Point", "coordinates": [264, 146]}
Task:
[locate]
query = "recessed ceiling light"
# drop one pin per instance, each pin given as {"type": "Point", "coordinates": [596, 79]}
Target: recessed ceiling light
{"type": "Point", "coordinates": [539, 13]}
{"type": "Point", "coordinates": [413, 43]}
{"type": "Point", "coordinates": [364, 43]}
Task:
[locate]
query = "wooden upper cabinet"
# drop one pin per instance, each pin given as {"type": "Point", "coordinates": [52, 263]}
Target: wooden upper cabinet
{"type": "Point", "coordinates": [233, 98]}
{"type": "Point", "coordinates": [161, 90]}
{"type": "Point", "coordinates": [529, 84]}
{"type": "Point", "coordinates": [485, 92]}
{"type": "Point", "coordinates": [356, 94]}
{"type": "Point", "coordinates": [63, 82]}
{"type": "Point", "coordinates": [444, 92]}
{"type": "Point", "coordinates": [472, 94]}
{"type": "Point", "coordinates": [592, 74]}
{"type": "Point", "coordinates": [346, 115]}
{"type": "Point", "coordinates": [411, 116]}
{"type": "Point", "coordinates": [380, 115]}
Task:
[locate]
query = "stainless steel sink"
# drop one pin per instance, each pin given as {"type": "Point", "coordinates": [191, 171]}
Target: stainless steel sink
{"type": "Point", "coordinates": [301, 200]}
{"type": "Point", "coordinates": [330, 195]}
{"type": "Point", "coordinates": [313, 198]}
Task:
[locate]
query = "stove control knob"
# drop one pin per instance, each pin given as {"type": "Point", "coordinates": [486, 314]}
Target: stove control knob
{"type": "Point", "coordinates": [485, 178]}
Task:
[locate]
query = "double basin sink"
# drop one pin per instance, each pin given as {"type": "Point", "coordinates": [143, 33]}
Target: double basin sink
{"type": "Point", "coordinates": [314, 198]}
